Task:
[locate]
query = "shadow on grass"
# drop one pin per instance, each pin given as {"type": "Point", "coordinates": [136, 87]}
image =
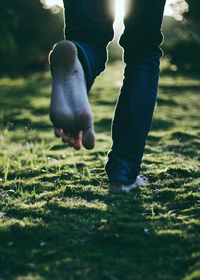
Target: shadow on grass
{"type": "Point", "coordinates": [73, 237]}
{"type": "Point", "coordinates": [103, 125]}
{"type": "Point", "coordinates": [180, 88]}
{"type": "Point", "coordinates": [68, 227]}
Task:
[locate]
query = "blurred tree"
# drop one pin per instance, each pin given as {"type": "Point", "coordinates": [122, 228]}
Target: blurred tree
{"type": "Point", "coordinates": [182, 43]}
{"type": "Point", "coordinates": [193, 15]}
{"type": "Point", "coordinates": [27, 33]}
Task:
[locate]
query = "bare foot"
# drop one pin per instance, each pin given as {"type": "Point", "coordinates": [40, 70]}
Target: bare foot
{"type": "Point", "coordinates": [70, 110]}
{"type": "Point", "coordinates": [141, 180]}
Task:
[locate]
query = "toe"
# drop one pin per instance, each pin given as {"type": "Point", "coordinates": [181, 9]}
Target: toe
{"type": "Point", "coordinates": [89, 138]}
{"type": "Point", "coordinates": [142, 180]}
{"type": "Point", "coordinates": [65, 137]}
{"type": "Point", "coordinates": [78, 141]}
{"type": "Point", "coordinates": [71, 140]}
{"type": "Point", "coordinates": [57, 132]}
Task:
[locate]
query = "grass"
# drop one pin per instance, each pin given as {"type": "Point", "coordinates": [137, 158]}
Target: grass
{"type": "Point", "coordinates": [57, 220]}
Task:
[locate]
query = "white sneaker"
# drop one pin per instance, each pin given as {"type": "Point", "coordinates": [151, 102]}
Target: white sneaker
{"type": "Point", "coordinates": [119, 187]}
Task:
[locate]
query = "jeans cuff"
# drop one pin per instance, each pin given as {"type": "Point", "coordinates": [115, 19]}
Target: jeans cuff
{"type": "Point", "coordinates": [122, 169]}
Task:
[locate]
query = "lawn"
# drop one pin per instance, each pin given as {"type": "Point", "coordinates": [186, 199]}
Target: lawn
{"type": "Point", "coordinates": [57, 219]}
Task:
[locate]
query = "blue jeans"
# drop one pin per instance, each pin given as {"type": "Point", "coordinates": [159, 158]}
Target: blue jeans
{"type": "Point", "coordinates": [89, 24]}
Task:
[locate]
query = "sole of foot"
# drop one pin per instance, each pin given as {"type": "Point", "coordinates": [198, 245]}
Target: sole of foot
{"type": "Point", "coordinates": [115, 187]}
{"type": "Point", "coordinates": [70, 111]}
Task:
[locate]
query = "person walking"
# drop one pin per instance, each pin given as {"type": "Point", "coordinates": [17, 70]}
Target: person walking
{"type": "Point", "coordinates": [76, 62]}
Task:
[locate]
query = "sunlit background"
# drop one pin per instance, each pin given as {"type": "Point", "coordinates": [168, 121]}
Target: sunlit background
{"type": "Point", "coordinates": [19, 29]}
{"type": "Point", "coordinates": [119, 11]}
{"type": "Point", "coordinates": [119, 7]}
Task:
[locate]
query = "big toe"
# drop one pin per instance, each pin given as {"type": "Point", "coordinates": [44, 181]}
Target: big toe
{"type": "Point", "coordinates": [88, 140]}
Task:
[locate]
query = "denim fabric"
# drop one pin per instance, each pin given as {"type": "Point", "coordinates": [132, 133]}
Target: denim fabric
{"type": "Point", "coordinates": [89, 24]}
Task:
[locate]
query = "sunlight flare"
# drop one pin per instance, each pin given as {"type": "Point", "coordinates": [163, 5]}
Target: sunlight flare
{"type": "Point", "coordinates": [119, 10]}
{"type": "Point", "coordinates": [51, 3]}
